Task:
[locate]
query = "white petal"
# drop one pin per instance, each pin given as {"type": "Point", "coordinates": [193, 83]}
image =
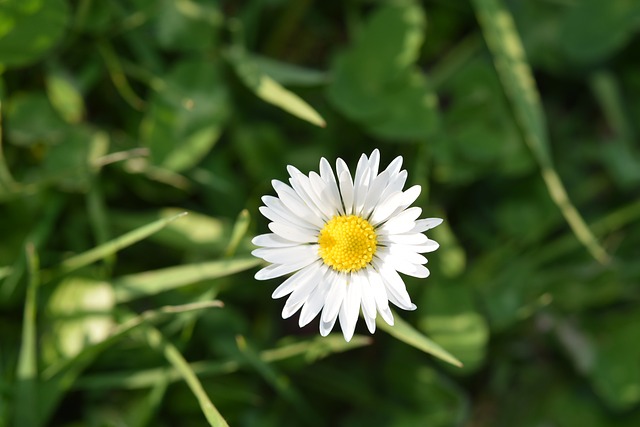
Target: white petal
{"type": "Point", "coordinates": [374, 162]}
{"type": "Point", "coordinates": [379, 293]}
{"type": "Point", "coordinates": [386, 208]}
{"type": "Point", "coordinates": [295, 204]}
{"type": "Point", "coordinates": [276, 270]}
{"type": "Point", "coordinates": [350, 308]}
{"type": "Point", "coordinates": [346, 190]}
{"type": "Point", "coordinates": [329, 202]}
{"type": "Point", "coordinates": [290, 284]}
{"type": "Point", "coordinates": [428, 246]}
{"type": "Point", "coordinates": [326, 327]}
{"type": "Point", "coordinates": [314, 304]}
{"type": "Point", "coordinates": [375, 193]}
{"type": "Point", "coordinates": [293, 254]}
{"type": "Point", "coordinates": [304, 288]}
{"type": "Point", "coordinates": [293, 233]}
{"type": "Point", "coordinates": [271, 240]}
{"type": "Point", "coordinates": [275, 210]}
{"type": "Point", "coordinates": [368, 300]}
{"type": "Point", "coordinates": [360, 193]}
{"type": "Point", "coordinates": [402, 222]}
{"type": "Point", "coordinates": [302, 186]}
{"type": "Point", "coordinates": [387, 315]}
{"type": "Point", "coordinates": [396, 289]}
{"type": "Point", "coordinates": [335, 297]}
{"type": "Point", "coordinates": [425, 224]}
{"type": "Point", "coordinates": [404, 239]}
{"type": "Point", "coordinates": [371, 323]}
{"type": "Point", "coordinates": [326, 173]}
{"type": "Point", "coordinates": [291, 307]}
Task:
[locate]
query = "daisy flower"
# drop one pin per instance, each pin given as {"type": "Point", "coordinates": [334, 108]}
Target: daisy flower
{"type": "Point", "coordinates": [345, 240]}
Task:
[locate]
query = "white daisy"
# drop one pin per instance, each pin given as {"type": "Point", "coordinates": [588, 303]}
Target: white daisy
{"type": "Point", "coordinates": [345, 240]}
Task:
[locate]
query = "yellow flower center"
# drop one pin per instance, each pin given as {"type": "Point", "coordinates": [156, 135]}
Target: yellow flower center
{"type": "Point", "coordinates": [347, 243]}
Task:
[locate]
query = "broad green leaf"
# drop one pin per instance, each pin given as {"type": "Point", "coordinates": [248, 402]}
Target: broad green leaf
{"type": "Point", "coordinates": [615, 373]}
{"type": "Point", "coordinates": [479, 133]}
{"type": "Point", "coordinates": [187, 116]}
{"type": "Point", "coordinates": [593, 30]}
{"type": "Point", "coordinates": [64, 95]}
{"type": "Point", "coordinates": [59, 377]}
{"type": "Point", "coordinates": [188, 25]}
{"type": "Point", "coordinates": [152, 282]}
{"type": "Point", "coordinates": [519, 85]}
{"type": "Point", "coordinates": [30, 28]}
{"type": "Point", "coordinates": [269, 90]}
{"type": "Point", "coordinates": [375, 81]}
{"type": "Point", "coordinates": [78, 314]}
{"type": "Point", "coordinates": [31, 120]}
{"type": "Point", "coordinates": [409, 335]}
{"type": "Point", "coordinates": [115, 245]}
{"type": "Point", "coordinates": [450, 319]}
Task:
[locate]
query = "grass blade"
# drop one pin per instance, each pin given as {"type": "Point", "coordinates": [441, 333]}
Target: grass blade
{"type": "Point", "coordinates": [152, 282]}
{"type": "Point", "coordinates": [269, 90]}
{"type": "Point", "coordinates": [113, 246]}
{"type": "Point", "coordinates": [157, 341]}
{"type": "Point", "coordinates": [58, 378]}
{"type": "Point", "coordinates": [27, 372]}
{"type": "Point", "coordinates": [408, 334]}
{"type": "Point", "coordinates": [519, 86]}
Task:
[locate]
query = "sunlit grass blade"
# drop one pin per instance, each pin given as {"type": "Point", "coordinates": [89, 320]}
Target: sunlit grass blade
{"type": "Point", "coordinates": [408, 334]}
{"type": "Point", "coordinates": [152, 282]}
{"type": "Point", "coordinates": [58, 378]}
{"type": "Point", "coordinates": [27, 371]}
{"type": "Point", "coordinates": [239, 231]}
{"type": "Point", "coordinates": [519, 85]}
{"type": "Point", "coordinates": [270, 90]}
{"type": "Point", "coordinates": [113, 246]}
{"type": "Point", "coordinates": [157, 341]}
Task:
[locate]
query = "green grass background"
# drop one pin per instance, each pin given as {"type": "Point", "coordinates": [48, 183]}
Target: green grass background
{"type": "Point", "coordinates": [519, 119]}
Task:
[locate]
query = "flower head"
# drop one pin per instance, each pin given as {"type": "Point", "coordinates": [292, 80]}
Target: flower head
{"type": "Point", "coordinates": [345, 240]}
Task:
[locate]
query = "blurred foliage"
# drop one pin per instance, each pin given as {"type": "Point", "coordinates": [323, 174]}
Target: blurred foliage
{"type": "Point", "coordinates": [117, 116]}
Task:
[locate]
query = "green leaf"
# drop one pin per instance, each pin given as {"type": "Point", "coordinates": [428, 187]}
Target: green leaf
{"type": "Point", "coordinates": [30, 28]}
{"type": "Point", "coordinates": [186, 117]}
{"type": "Point", "coordinates": [65, 96]}
{"type": "Point", "coordinates": [409, 335]}
{"type": "Point", "coordinates": [152, 282]}
{"type": "Point", "coordinates": [375, 81]}
{"type": "Point", "coordinates": [26, 391]}
{"type": "Point", "coordinates": [188, 25]}
{"type": "Point", "coordinates": [614, 371]}
{"type": "Point", "coordinates": [78, 314]}
{"type": "Point", "coordinates": [519, 85]}
{"type": "Point", "coordinates": [31, 120]}
{"type": "Point", "coordinates": [269, 90]}
{"type": "Point", "coordinates": [593, 30]}
{"type": "Point", "coordinates": [115, 245]}
{"type": "Point", "coordinates": [451, 320]}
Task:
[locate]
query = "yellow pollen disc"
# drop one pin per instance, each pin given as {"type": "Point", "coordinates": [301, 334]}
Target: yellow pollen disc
{"type": "Point", "coordinates": [347, 243]}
